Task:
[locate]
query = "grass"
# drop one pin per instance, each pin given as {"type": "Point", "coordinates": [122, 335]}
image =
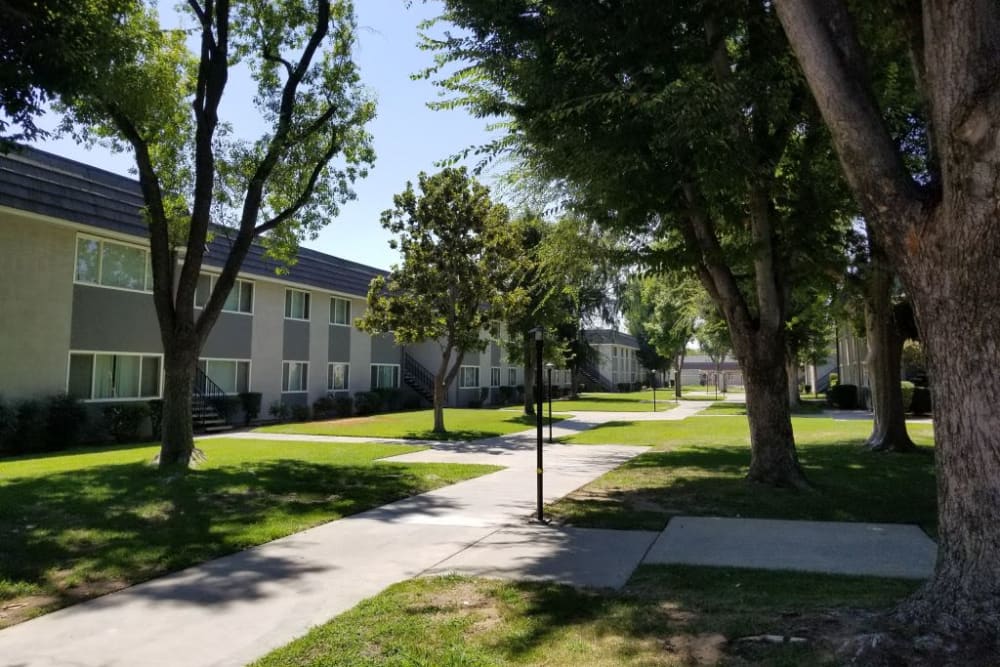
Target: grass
{"type": "Point", "coordinates": [697, 467]}
{"type": "Point", "coordinates": [462, 424]}
{"type": "Point", "coordinates": [76, 525]}
{"type": "Point", "coordinates": [668, 615]}
{"type": "Point", "coordinates": [636, 401]}
{"type": "Point", "coordinates": [806, 407]}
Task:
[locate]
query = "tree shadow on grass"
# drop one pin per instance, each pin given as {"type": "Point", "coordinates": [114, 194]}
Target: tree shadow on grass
{"type": "Point", "coordinates": [849, 485]}
{"type": "Point", "coordinates": [82, 533]}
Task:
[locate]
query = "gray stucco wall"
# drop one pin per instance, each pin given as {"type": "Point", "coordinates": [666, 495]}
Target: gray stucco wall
{"type": "Point", "coordinates": [494, 354]}
{"type": "Point", "coordinates": [339, 343]}
{"type": "Point", "coordinates": [319, 345]}
{"type": "Point", "coordinates": [230, 338]}
{"type": "Point", "coordinates": [360, 352]}
{"type": "Point", "coordinates": [295, 341]}
{"type": "Point", "coordinates": [114, 320]}
{"type": "Point", "coordinates": [266, 344]}
{"type": "Point", "coordinates": [36, 293]}
{"type": "Point", "coordinates": [384, 350]}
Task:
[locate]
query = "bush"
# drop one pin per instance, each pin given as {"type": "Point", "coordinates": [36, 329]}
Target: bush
{"type": "Point", "coordinates": [8, 427]}
{"type": "Point", "coordinates": [156, 416]}
{"type": "Point", "coordinates": [343, 405]}
{"type": "Point", "coordinates": [300, 413]}
{"type": "Point", "coordinates": [623, 387]}
{"type": "Point", "coordinates": [411, 402]}
{"type": "Point", "coordinates": [920, 404]}
{"type": "Point", "coordinates": [125, 420]}
{"type": "Point", "coordinates": [324, 407]}
{"type": "Point", "coordinates": [250, 402]}
{"type": "Point", "coordinates": [227, 406]}
{"type": "Point", "coordinates": [30, 431]}
{"type": "Point", "coordinates": [65, 418]}
{"type": "Point", "coordinates": [474, 404]}
{"type": "Point", "coordinates": [506, 395]}
{"type": "Point", "coordinates": [834, 379]}
{"type": "Point", "coordinates": [907, 389]}
{"type": "Point", "coordinates": [367, 403]}
{"type": "Point", "coordinates": [843, 396]}
{"type": "Point", "coordinates": [390, 400]}
{"type": "Point", "coordinates": [279, 411]}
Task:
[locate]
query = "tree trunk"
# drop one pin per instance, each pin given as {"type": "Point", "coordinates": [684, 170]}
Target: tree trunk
{"type": "Point", "coordinates": [773, 459]}
{"type": "Point", "coordinates": [529, 375]}
{"type": "Point", "coordinates": [792, 371]}
{"type": "Point", "coordinates": [885, 350]}
{"type": "Point", "coordinates": [180, 362]}
{"type": "Point", "coordinates": [439, 400]}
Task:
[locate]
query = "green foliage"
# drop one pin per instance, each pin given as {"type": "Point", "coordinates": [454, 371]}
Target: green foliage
{"type": "Point", "coordinates": [156, 416]}
{"type": "Point", "coordinates": [367, 403]}
{"type": "Point", "coordinates": [390, 399]}
{"type": "Point", "coordinates": [920, 404]}
{"type": "Point", "coordinates": [300, 413]}
{"type": "Point", "coordinates": [125, 420]}
{"type": "Point", "coordinates": [30, 432]}
{"type": "Point", "coordinates": [227, 406]}
{"type": "Point", "coordinates": [250, 401]}
{"type": "Point", "coordinates": [279, 411]}
{"type": "Point", "coordinates": [843, 396]}
{"type": "Point", "coordinates": [834, 379]}
{"type": "Point", "coordinates": [343, 405]}
{"type": "Point", "coordinates": [64, 421]}
{"type": "Point", "coordinates": [907, 390]}
{"type": "Point", "coordinates": [324, 407]}
{"type": "Point", "coordinates": [8, 426]}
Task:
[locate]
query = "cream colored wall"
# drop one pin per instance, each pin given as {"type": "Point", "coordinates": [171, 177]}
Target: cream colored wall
{"type": "Point", "coordinates": [266, 346]}
{"type": "Point", "coordinates": [36, 300]}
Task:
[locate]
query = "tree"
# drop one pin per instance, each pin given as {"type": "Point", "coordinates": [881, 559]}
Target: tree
{"type": "Point", "coordinates": [199, 181]}
{"type": "Point", "coordinates": [712, 335]}
{"type": "Point", "coordinates": [452, 287]}
{"type": "Point", "coordinates": [940, 233]}
{"type": "Point", "coordinates": [682, 123]}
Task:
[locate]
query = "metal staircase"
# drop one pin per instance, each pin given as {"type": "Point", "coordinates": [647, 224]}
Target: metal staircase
{"type": "Point", "coordinates": [595, 376]}
{"type": "Point", "coordinates": [204, 417]}
{"type": "Point", "coordinates": [418, 378]}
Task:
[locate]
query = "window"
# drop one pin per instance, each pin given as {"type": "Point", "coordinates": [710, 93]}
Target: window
{"type": "Point", "coordinates": [385, 376]}
{"type": "Point", "coordinates": [340, 311]}
{"type": "Point", "coordinates": [230, 375]}
{"type": "Point", "coordinates": [294, 376]}
{"type": "Point", "coordinates": [296, 304]}
{"type": "Point", "coordinates": [511, 377]}
{"type": "Point", "coordinates": [468, 376]}
{"type": "Point", "coordinates": [111, 264]}
{"type": "Point", "coordinates": [239, 300]}
{"type": "Point", "coordinates": [495, 376]}
{"type": "Point", "coordinates": [110, 376]}
{"type": "Point", "coordinates": [337, 376]}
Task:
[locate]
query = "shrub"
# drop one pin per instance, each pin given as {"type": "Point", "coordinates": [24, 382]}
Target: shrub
{"type": "Point", "coordinates": [8, 427]}
{"type": "Point", "coordinates": [907, 390]}
{"type": "Point", "coordinates": [506, 395]}
{"type": "Point", "coordinates": [920, 404]}
{"type": "Point", "coordinates": [227, 406]}
{"type": "Point", "coordinates": [808, 388]}
{"type": "Point", "coordinates": [390, 400]}
{"type": "Point", "coordinates": [343, 405]}
{"type": "Point", "coordinates": [125, 420]}
{"type": "Point", "coordinates": [250, 402]}
{"type": "Point", "coordinates": [834, 379]}
{"type": "Point", "coordinates": [324, 407]}
{"type": "Point", "coordinates": [279, 411]}
{"type": "Point", "coordinates": [300, 413]}
{"type": "Point", "coordinates": [623, 387]}
{"type": "Point", "coordinates": [843, 396]}
{"type": "Point", "coordinates": [65, 418]}
{"type": "Point", "coordinates": [156, 416]}
{"type": "Point", "coordinates": [474, 403]}
{"type": "Point", "coordinates": [411, 402]}
{"type": "Point", "coordinates": [367, 402]}
{"type": "Point", "coordinates": [30, 430]}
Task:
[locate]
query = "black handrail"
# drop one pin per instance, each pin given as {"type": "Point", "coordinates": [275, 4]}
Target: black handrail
{"type": "Point", "coordinates": [591, 373]}
{"type": "Point", "coordinates": [204, 387]}
{"type": "Point", "coordinates": [420, 375]}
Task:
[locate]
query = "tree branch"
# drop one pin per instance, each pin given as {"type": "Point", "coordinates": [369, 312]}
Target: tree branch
{"type": "Point", "coordinates": [306, 193]}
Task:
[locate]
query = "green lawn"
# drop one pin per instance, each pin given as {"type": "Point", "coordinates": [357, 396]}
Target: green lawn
{"type": "Point", "coordinates": [79, 524]}
{"type": "Point", "coordinates": [806, 407]}
{"type": "Point", "coordinates": [666, 616]}
{"type": "Point", "coordinates": [697, 467]}
{"type": "Point", "coordinates": [462, 424]}
{"type": "Point", "coordinates": [635, 401]}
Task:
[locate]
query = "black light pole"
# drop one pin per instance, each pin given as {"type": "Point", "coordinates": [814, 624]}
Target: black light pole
{"type": "Point", "coordinates": [549, 367]}
{"type": "Point", "coordinates": [654, 390]}
{"type": "Point", "coordinates": [538, 416]}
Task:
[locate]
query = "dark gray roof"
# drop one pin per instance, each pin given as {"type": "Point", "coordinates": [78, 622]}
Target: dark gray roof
{"type": "Point", "coordinates": [39, 182]}
{"type": "Point", "coordinates": [610, 336]}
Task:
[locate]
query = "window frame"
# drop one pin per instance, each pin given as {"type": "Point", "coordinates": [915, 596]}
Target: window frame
{"type": "Point", "coordinates": [512, 376]}
{"type": "Point", "coordinates": [330, 376]}
{"type": "Point", "coordinates": [238, 285]}
{"type": "Point", "coordinates": [305, 376]}
{"type": "Point", "coordinates": [461, 377]}
{"type": "Point", "coordinates": [236, 371]}
{"type": "Point", "coordinates": [147, 275]}
{"type": "Point", "coordinates": [397, 375]}
{"type": "Point", "coordinates": [333, 310]}
{"type": "Point", "coordinates": [307, 308]}
{"type": "Point", "coordinates": [495, 370]}
{"type": "Point", "coordinates": [93, 374]}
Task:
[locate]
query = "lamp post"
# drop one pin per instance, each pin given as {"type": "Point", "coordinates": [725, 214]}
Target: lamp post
{"type": "Point", "coordinates": [654, 390]}
{"type": "Point", "coordinates": [538, 417]}
{"type": "Point", "coordinates": [549, 366]}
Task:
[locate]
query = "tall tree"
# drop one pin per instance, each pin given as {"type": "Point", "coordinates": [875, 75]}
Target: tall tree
{"type": "Point", "coordinates": [453, 285]}
{"type": "Point", "coordinates": [680, 123]}
{"type": "Point", "coordinates": [200, 181]}
{"type": "Point", "coordinates": [940, 232]}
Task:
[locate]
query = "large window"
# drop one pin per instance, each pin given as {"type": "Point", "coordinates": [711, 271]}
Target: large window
{"type": "Point", "coordinates": [112, 264]}
{"type": "Point", "coordinates": [230, 375]}
{"type": "Point", "coordinates": [385, 376]}
{"type": "Point", "coordinates": [338, 376]}
{"type": "Point", "coordinates": [296, 304]}
{"type": "Point", "coordinates": [495, 376]}
{"type": "Point", "coordinates": [511, 377]}
{"type": "Point", "coordinates": [294, 376]}
{"type": "Point", "coordinates": [468, 376]}
{"type": "Point", "coordinates": [239, 300]}
{"type": "Point", "coordinates": [111, 376]}
{"type": "Point", "coordinates": [340, 311]}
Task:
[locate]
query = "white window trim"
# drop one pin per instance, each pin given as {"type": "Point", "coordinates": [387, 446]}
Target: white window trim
{"type": "Point", "coordinates": [249, 363]}
{"type": "Point", "coordinates": [308, 307]}
{"type": "Point", "coordinates": [350, 307]}
{"type": "Point", "coordinates": [329, 366]}
{"type": "Point", "coordinates": [399, 375]}
{"type": "Point", "coordinates": [294, 391]}
{"type": "Point", "coordinates": [479, 379]}
{"type": "Point", "coordinates": [211, 288]}
{"type": "Point", "coordinates": [499, 376]}
{"type": "Point", "coordinates": [100, 264]}
{"type": "Point", "coordinates": [93, 373]}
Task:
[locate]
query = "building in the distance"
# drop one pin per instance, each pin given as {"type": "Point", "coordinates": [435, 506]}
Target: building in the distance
{"type": "Point", "coordinates": [617, 366]}
{"type": "Point", "coordinates": [77, 314]}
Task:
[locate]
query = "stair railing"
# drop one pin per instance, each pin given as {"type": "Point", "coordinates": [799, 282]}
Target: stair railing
{"type": "Point", "coordinates": [418, 375]}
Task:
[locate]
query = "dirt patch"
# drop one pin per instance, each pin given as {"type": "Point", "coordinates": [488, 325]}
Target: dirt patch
{"type": "Point", "coordinates": [465, 599]}
{"type": "Point", "coordinates": [22, 608]}
{"type": "Point", "coordinates": [700, 649]}
{"type": "Point", "coordinates": [348, 420]}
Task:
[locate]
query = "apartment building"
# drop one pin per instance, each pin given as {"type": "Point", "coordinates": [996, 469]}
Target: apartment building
{"type": "Point", "coordinates": [77, 314]}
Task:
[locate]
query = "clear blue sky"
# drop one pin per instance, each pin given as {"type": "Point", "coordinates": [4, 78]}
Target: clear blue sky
{"type": "Point", "coordinates": [408, 136]}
